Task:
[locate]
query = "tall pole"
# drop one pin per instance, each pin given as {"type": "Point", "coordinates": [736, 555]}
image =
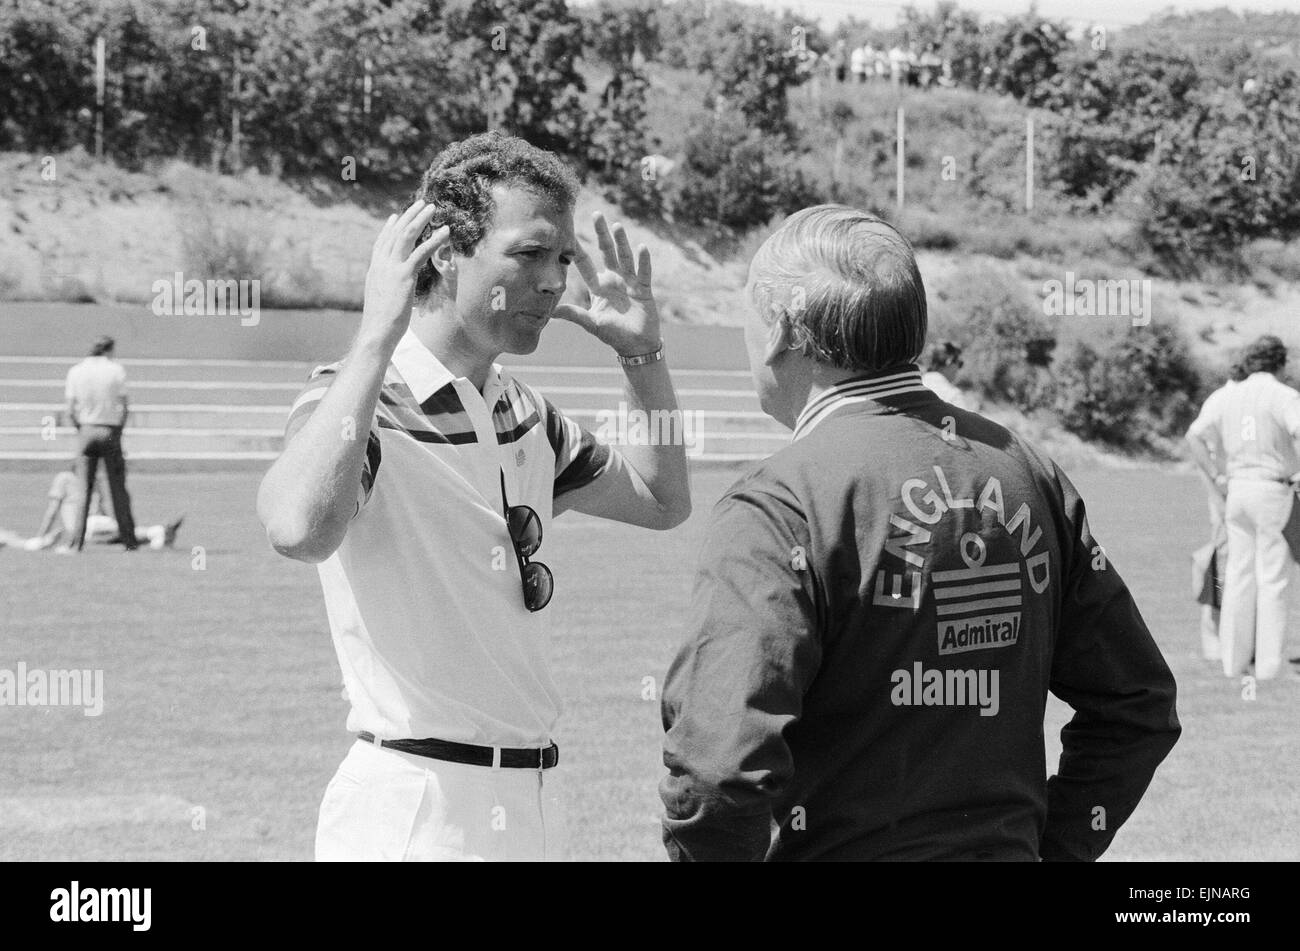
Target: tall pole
{"type": "Point", "coordinates": [100, 55]}
{"type": "Point", "coordinates": [235, 158]}
{"type": "Point", "coordinates": [367, 87]}
{"type": "Point", "coordinates": [899, 182]}
{"type": "Point", "coordinates": [1029, 163]}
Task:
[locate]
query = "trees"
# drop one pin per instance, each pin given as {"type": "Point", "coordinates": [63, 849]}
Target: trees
{"type": "Point", "coordinates": [735, 176]}
{"type": "Point", "coordinates": [1226, 174]}
{"type": "Point", "coordinates": [1110, 111]}
{"type": "Point", "coordinates": [1020, 55]}
{"type": "Point", "coordinates": [522, 54]}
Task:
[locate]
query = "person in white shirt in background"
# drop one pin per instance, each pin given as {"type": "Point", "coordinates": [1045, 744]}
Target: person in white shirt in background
{"type": "Point", "coordinates": [1210, 648]}
{"type": "Point", "coordinates": [1248, 443]}
{"type": "Point", "coordinates": [97, 408]}
{"type": "Point", "coordinates": [858, 63]}
{"type": "Point", "coordinates": [897, 64]}
{"type": "Point", "coordinates": [943, 362]}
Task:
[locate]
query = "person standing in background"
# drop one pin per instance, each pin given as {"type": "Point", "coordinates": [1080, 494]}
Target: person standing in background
{"type": "Point", "coordinates": [859, 61]}
{"type": "Point", "coordinates": [840, 61]}
{"type": "Point", "coordinates": [97, 407]}
{"type": "Point", "coordinates": [943, 363]}
{"type": "Point", "coordinates": [1248, 443]}
{"type": "Point", "coordinates": [1218, 530]}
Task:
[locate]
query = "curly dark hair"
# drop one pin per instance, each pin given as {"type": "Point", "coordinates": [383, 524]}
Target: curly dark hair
{"type": "Point", "coordinates": [460, 183]}
{"type": "Point", "coordinates": [1265, 355]}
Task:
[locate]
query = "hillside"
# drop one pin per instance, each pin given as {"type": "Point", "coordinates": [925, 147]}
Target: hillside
{"type": "Point", "coordinates": [103, 234]}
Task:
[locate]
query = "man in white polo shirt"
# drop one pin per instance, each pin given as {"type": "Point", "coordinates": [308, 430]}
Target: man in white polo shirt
{"type": "Point", "coordinates": [1253, 431]}
{"type": "Point", "coordinates": [422, 478]}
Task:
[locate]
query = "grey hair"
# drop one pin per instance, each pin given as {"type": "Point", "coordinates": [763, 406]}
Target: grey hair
{"type": "Point", "coordinates": [849, 285]}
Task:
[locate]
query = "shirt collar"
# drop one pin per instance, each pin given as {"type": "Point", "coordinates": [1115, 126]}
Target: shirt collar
{"type": "Point", "coordinates": [425, 374]}
{"type": "Point", "coordinates": [892, 381]}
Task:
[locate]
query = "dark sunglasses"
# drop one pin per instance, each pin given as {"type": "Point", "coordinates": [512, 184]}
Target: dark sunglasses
{"type": "Point", "coordinates": [526, 535]}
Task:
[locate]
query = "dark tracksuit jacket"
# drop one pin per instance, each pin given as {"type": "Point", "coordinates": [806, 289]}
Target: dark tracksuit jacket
{"type": "Point", "coordinates": [880, 611]}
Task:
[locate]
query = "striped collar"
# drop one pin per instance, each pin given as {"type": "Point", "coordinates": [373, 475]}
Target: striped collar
{"type": "Point", "coordinates": [894, 381]}
{"type": "Point", "coordinates": [425, 374]}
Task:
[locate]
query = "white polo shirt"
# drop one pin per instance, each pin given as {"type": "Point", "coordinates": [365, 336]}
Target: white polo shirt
{"type": "Point", "coordinates": [424, 596]}
{"type": "Point", "coordinates": [1254, 423]}
{"type": "Point", "coordinates": [96, 387]}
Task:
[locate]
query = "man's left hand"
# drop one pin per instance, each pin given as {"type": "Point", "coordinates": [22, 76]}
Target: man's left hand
{"type": "Point", "coordinates": [623, 313]}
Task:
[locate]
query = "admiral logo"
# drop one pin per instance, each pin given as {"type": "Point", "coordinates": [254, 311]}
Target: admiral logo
{"type": "Point", "coordinates": [965, 599]}
{"type": "Point", "coordinates": [978, 606]}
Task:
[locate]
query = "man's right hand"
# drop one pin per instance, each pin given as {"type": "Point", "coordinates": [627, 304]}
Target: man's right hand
{"type": "Point", "coordinates": [390, 282]}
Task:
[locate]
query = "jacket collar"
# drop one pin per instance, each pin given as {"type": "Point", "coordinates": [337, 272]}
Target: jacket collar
{"type": "Point", "coordinates": [891, 381]}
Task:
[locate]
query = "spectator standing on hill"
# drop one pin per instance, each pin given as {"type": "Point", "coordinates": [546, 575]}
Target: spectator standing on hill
{"type": "Point", "coordinates": [930, 66]}
{"type": "Point", "coordinates": [97, 407]}
{"type": "Point", "coordinates": [897, 64]}
{"type": "Point", "coordinates": [1248, 442]}
{"type": "Point", "coordinates": [859, 60]}
{"type": "Point", "coordinates": [840, 61]}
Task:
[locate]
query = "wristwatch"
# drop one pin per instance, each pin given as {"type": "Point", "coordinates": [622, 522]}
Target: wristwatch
{"type": "Point", "coordinates": [641, 359]}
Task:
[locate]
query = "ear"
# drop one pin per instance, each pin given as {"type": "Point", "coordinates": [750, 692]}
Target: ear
{"type": "Point", "coordinates": [443, 260]}
{"type": "Point", "coordinates": [780, 337]}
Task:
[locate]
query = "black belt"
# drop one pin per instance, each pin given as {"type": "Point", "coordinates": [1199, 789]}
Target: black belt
{"type": "Point", "coordinates": [525, 758]}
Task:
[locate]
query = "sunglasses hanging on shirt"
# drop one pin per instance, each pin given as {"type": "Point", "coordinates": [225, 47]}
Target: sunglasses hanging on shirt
{"type": "Point", "coordinates": [525, 529]}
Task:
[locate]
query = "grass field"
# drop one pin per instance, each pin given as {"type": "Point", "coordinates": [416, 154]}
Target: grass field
{"type": "Point", "coordinates": [223, 719]}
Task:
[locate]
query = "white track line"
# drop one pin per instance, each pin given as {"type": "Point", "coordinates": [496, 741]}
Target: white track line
{"type": "Point", "coordinates": [523, 369]}
{"type": "Point", "coordinates": [166, 362]}
{"type": "Point", "coordinates": [138, 431]}
{"type": "Point", "coordinates": [173, 384]}
{"type": "Point", "coordinates": [262, 385]}
{"type": "Point", "coordinates": [276, 433]}
{"type": "Point", "coordinates": [54, 458]}
{"type": "Point", "coordinates": [135, 456]}
{"type": "Point", "coordinates": [278, 410]}
{"type": "Point", "coordinates": [160, 408]}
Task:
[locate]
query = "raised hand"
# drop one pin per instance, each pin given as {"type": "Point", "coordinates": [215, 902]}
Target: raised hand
{"type": "Point", "coordinates": [623, 312]}
{"type": "Point", "coordinates": [394, 262]}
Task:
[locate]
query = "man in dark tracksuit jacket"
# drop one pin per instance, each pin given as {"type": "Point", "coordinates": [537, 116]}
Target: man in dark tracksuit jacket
{"type": "Point", "coordinates": [880, 612]}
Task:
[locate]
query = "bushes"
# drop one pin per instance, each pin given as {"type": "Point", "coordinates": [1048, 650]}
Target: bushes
{"type": "Point", "coordinates": [1001, 335]}
{"type": "Point", "coordinates": [1105, 380]}
{"type": "Point", "coordinates": [736, 177]}
{"type": "Point", "coordinates": [1128, 387]}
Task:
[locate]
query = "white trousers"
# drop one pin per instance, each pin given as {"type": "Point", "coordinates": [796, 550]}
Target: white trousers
{"type": "Point", "coordinates": [387, 806]}
{"type": "Point", "coordinates": [1253, 619]}
{"type": "Point", "coordinates": [1210, 648]}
